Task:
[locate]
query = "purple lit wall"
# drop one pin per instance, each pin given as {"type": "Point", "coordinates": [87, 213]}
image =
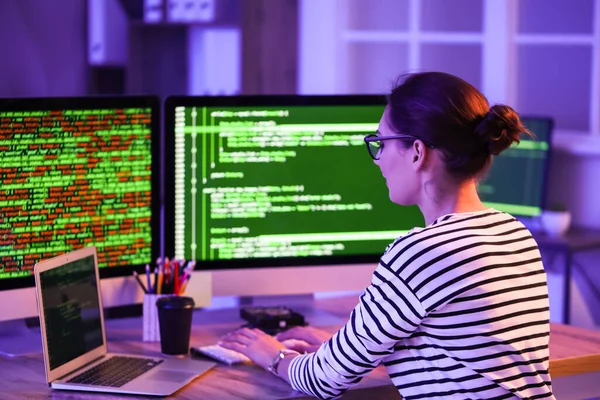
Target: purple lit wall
{"type": "Point", "coordinates": [43, 48]}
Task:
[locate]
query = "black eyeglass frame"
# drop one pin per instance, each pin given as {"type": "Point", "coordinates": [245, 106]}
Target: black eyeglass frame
{"type": "Point", "coordinates": [375, 138]}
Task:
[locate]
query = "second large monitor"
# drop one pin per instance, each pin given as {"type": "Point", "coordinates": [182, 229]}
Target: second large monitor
{"type": "Point", "coordinates": [279, 180]}
{"type": "Point", "coordinates": [76, 172]}
{"type": "Point", "coordinates": [263, 181]}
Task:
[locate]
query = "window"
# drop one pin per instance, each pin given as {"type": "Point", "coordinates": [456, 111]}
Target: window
{"type": "Point", "coordinates": [541, 57]}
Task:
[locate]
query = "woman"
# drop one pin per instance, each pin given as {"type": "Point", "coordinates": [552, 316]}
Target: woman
{"type": "Point", "coordinates": [457, 309]}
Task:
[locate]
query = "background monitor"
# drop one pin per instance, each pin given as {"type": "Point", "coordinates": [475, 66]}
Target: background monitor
{"type": "Point", "coordinates": [265, 182]}
{"type": "Point", "coordinates": [76, 172]}
{"type": "Point", "coordinates": [516, 182]}
{"type": "Point", "coordinates": [265, 188]}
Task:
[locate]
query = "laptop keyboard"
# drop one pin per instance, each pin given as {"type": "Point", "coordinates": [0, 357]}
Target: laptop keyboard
{"type": "Point", "coordinates": [116, 371]}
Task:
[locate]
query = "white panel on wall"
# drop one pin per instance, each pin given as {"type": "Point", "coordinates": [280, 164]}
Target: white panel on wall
{"type": "Point", "coordinates": [153, 11]}
{"type": "Point", "coordinates": [554, 80]}
{"type": "Point", "coordinates": [452, 16]}
{"type": "Point", "coordinates": [556, 16]}
{"type": "Point", "coordinates": [374, 67]}
{"type": "Point", "coordinates": [318, 31]}
{"type": "Point", "coordinates": [107, 33]}
{"type": "Point", "coordinates": [214, 61]}
{"type": "Point", "coordinates": [388, 15]}
{"type": "Point", "coordinates": [463, 60]}
{"type": "Point", "coordinates": [499, 52]}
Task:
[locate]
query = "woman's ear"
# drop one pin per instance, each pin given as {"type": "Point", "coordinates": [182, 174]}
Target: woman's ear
{"type": "Point", "coordinates": [419, 154]}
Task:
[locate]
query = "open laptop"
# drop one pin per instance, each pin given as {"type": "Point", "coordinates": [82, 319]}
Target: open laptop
{"type": "Point", "coordinates": [74, 337]}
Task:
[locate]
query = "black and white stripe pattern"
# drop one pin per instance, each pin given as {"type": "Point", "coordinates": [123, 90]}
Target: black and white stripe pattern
{"type": "Point", "coordinates": [458, 310]}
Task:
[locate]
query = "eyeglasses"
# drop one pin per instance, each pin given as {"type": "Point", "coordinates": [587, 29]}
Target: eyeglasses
{"type": "Point", "coordinates": [375, 143]}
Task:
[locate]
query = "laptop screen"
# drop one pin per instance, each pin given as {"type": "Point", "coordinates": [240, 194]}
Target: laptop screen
{"type": "Point", "coordinates": [71, 310]}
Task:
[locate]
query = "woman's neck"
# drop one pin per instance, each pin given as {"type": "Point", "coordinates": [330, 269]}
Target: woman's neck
{"type": "Point", "coordinates": [436, 202]}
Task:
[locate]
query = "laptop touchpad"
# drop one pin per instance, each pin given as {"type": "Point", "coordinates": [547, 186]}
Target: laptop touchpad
{"type": "Point", "coordinates": [166, 375]}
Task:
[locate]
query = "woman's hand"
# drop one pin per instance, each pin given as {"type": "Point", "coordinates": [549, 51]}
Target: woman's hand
{"type": "Point", "coordinates": [304, 338]}
{"type": "Point", "coordinates": [254, 343]}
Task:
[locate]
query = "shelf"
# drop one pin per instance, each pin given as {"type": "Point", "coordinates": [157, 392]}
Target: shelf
{"type": "Point", "coordinates": [556, 39]}
{"type": "Point", "coordinates": [422, 37]}
{"type": "Point", "coordinates": [577, 143]}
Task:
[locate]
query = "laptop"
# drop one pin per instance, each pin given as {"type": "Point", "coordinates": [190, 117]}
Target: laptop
{"type": "Point", "coordinates": [74, 336]}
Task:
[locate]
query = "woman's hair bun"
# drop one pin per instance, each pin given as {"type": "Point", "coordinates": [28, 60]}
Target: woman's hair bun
{"type": "Point", "coordinates": [500, 128]}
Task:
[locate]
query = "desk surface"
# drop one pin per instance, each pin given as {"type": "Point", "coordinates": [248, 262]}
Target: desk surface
{"type": "Point", "coordinates": [572, 351]}
{"type": "Point", "coordinates": [576, 239]}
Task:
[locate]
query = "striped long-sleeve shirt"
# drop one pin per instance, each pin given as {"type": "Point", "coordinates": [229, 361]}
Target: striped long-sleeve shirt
{"type": "Point", "coordinates": [455, 310]}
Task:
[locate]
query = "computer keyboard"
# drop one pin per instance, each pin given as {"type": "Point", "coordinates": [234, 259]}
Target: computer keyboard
{"type": "Point", "coordinates": [115, 372]}
{"type": "Point", "coordinates": [221, 354]}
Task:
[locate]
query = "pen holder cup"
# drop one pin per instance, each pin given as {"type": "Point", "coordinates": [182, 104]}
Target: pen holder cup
{"type": "Point", "coordinates": [151, 328]}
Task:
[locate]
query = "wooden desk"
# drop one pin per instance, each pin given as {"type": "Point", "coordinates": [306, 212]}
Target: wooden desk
{"type": "Point", "coordinates": [572, 351]}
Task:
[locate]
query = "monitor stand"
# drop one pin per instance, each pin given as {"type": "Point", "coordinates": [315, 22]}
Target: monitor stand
{"type": "Point", "coordinates": [20, 337]}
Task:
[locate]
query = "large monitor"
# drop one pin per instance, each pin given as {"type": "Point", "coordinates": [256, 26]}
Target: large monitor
{"type": "Point", "coordinates": [266, 188]}
{"type": "Point", "coordinates": [76, 172]}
